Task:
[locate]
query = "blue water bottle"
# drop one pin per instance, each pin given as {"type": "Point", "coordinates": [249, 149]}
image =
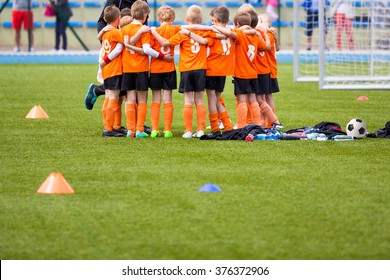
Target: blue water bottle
{"type": "Point", "coordinates": [261, 137]}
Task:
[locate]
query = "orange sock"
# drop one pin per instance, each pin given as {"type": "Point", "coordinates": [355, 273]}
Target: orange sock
{"type": "Point", "coordinates": [222, 101]}
{"type": "Point", "coordinates": [110, 113]}
{"type": "Point", "coordinates": [168, 116]}
{"type": "Point", "coordinates": [142, 110]}
{"type": "Point", "coordinates": [255, 111]}
{"type": "Point", "coordinates": [227, 123]}
{"type": "Point", "coordinates": [131, 116]}
{"type": "Point", "coordinates": [118, 116]}
{"type": "Point", "coordinates": [201, 116]}
{"type": "Point", "coordinates": [266, 109]}
{"type": "Point", "coordinates": [155, 115]}
{"type": "Point", "coordinates": [242, 111]}
{"type": "Point", "coordinates": [268, 123]}
{"type": "Point", "coordinates": [214, 122]}
{"type": "Point", "coordinates": [248, 114]}
{"type": "Point", "coordinates": [187, 114]}
{"type": "Point", "coordinates": [104, 109]}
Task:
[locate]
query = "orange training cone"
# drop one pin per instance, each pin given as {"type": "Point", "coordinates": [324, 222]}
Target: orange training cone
{"type": "Point", "coordinates": [56, 184]}
{"type": "Point", "coordinates": [37, 113]}
{"type": "Point", "coordinates": [362, 98]}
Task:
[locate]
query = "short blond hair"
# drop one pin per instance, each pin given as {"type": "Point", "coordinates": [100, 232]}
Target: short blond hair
{"type": "Point", "coordinates": [242, 18]}
{"type": "Point", "coordinates": [194, 14]}
{"type": "Point", "coordinates": [125, 21]}
{"type": "Point", "coordinates": [111, 13]}
{"type": "Point", "coordinates": [139, 9]}
{"type": "Point", "coordinates": [245, 8]}
{"type": "Point", "coordinates": [166, 14]}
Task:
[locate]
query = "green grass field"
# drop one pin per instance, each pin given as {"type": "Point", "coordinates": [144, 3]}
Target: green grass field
{"type": "Point", "coordinates": [139, 199]}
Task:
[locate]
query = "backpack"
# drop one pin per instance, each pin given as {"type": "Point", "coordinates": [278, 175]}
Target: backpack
{"type": "Point", "coordinates": [382, 132]}
{"type": "Point", "coordinates": [241, 133]}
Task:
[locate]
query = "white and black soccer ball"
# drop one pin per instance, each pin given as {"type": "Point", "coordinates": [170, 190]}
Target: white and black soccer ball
{"type": "Point", "coordinates": [357, 128]}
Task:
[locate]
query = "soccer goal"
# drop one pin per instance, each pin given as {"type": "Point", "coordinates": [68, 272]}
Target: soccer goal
{"type": "Point", "coordinates": [342, 54]}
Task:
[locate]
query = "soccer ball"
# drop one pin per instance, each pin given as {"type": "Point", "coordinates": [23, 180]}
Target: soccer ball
{"type": "Point", "coordinates": [356, 128]}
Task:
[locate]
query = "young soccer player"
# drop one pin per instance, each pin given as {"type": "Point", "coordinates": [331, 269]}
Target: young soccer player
{"type": "Point", "coordinates": [111, 65]}
{"type": "Point", "coordinates": [271, 119]}
{"type": "Point", "coordinates": [192, 67]}
{"type": "Point", "coordinates": [162, 78]}
{"type": "Point", "coordinates": [220, 63]}
{"type": "Point", "coordinates": [136, 70]}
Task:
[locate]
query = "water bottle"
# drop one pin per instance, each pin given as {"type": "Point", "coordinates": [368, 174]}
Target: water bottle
{"type": "Point", "coordinates": [273, 136]}
{"type": "Point", "coordinates": [322, 137]}
{"type": "Point", "coordinates": [312, 136]}
{"type": "Point", "coordinates": [261, 137]}
{"type": "Point", "coordinates": [249, 138]}
{"type": "Point", "coordinates": [286, 136]}
{"type": "Point", "coordinates": [342, 138]}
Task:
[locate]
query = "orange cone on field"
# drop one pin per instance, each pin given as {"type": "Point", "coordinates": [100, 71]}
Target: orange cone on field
{"type": "Point", "coordinates": [37, 113]}
{"type": "Point", "coordinates": [362, 98]}
{"type": "Point", "coordinates": [55, 184]}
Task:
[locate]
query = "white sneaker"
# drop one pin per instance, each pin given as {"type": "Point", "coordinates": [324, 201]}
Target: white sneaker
{"type": "Point", "coordinates": [198, 134]}
{"type": "Point", "coordinates": [32, 49]}
{"type": "Point", "coordinates": [16, 49]}
{"type": "Point", "coordinates": [187, 135]}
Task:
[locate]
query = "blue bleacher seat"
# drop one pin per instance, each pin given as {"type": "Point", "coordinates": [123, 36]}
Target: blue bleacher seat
{"type": "Point", "coordinates": [92, 4]}
{"type": "Point", "coordinates": [35, 4]}
{"type": "Point", "coordinates": [357, 4]}
{"type": "Point", "coordinates": [289, 4]}
{"type": "Point", "coordinates": [174, 4]}
{"type": "Point", "coordinates": [233, 4]}
{"type": "Point", "coordinates": [257, 4]}
{"type": "Point", "coordinates": [154, 4]}
{"type": "Point", "coordinates": [91, 24]}
{"type": "Point", "coordinates": [9, 4]}
{"type": "Point", "coordinates": [153, 23]}
{"type": "Point", "coordinates": [37, 24]}
{"type": "Point", "coordinates": [76, 24]}
{"type": "Point", "coordinates": [49, 24]}
{"type": "Point", "coordinates": [7, 24]}
{"type": "Point", "coordinates": [178, 22]}
{"type": "Point", "coordinates": [281, 23]}
{"type": "Point", "coordinates": [74, 4]}
{"type": "Point", "coordinates": [212, 4]}
{"type": "Point", "coordinates": [190, 3]}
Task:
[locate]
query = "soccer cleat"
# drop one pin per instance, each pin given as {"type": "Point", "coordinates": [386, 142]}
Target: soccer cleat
{"type": "Point", "coordinates": [277, 126]}
{"type": "Point", "coordinates": [141, 134]}
{"type": "Point", "coordinates": [121, 130]}
{"type": "Point", "coordinates": [90, 97]}
{"type": "Point", "coordinates": [198, 134]}
{"type": "Point", "coordinates": [155, 133]}
{"type": "Point", "coordinates": [112, 133]}
{"type": "Point", "coordinates": [130, 133]}
{"type": "Point", "coordinates": [168, 134]}
{"type": "Point", "coordinates": [187, 135]}
{"type": "Point", "coordinates": [147, 129]}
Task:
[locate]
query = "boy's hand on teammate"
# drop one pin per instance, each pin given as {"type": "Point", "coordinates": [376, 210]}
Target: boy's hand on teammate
{"type": "Point", "coordinates": [145, 29]}
{"type": "Point", "coordinates": [168, 58]}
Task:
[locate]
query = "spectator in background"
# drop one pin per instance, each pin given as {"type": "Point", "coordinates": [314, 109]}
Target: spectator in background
{"type": "Point", "coordinates": [62, 17]}
{"type": "Point", "coordinates": [22, 14]}
{"type": "Point", "coordinates": [343, 17]}
{"type": "Point", "coordinates": [272, 5]}
{"type": "Point", "coordinates": [312, 12]}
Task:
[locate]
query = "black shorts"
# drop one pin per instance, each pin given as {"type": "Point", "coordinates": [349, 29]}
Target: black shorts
{"type": "Point", "coordinates": [274, 85]}
{"type": "Point", "coordinates": [135, 81]}
{"type": "Point", "coordinates": [245, 86]}
{"type": "Point", "coordinates": [167, 81]}
{"type": "Point", "coordinates": [263, 84]}
{"type": "Point", "coordinates": [216, 83]}
{"type": "Point", "coordinates": [113, 82]}
{"type": "Point", "coordinates": [192, 81]}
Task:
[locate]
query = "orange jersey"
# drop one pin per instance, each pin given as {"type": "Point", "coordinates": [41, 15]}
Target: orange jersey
{"type": "Point", "coordinates": [109, 41]}
{"type": "Point", "coordinates": [192, 54]}
{"type": "Point", "coordinates": [132, 61]}
{"type": "Point", "coordinates": [159, 65]}
{"type": "Point", "coordinates": [261, 60]}
{"type": "Point", "coordinates": [245, 52]}
{"type": "Point", "coordinates": [220, 58]}
{"type": "Point", "coordinates": [271, 55]}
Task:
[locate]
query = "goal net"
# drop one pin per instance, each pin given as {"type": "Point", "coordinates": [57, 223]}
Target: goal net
{"type": "Point", "coordinates": [343, 52]}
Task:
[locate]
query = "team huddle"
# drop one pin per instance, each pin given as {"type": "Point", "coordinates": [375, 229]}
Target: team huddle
{"type": "Point", "coordinates": [135, 57]}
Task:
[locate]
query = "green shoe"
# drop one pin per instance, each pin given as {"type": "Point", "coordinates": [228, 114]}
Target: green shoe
{"type": "Point", "coordinates": [140, 134]}
{"type": "Point", "coordinates": [168, 134]}
{"type": "Point", "coordinates": [155, 133]}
